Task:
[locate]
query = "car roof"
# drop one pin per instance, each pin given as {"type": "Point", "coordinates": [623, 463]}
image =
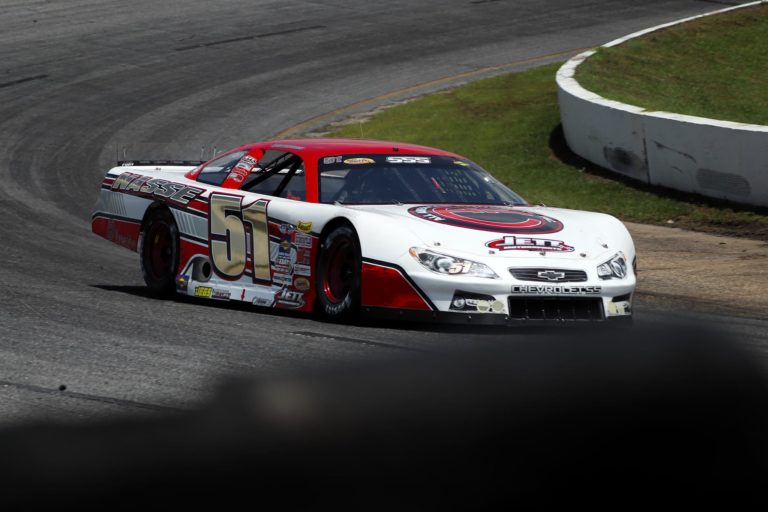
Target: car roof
{"type": "Point", "coordinates": [314, 149]}
{"type": "Point", "coordinates": [327, 146]}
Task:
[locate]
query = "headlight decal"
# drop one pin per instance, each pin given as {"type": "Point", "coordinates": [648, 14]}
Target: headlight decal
{"type": "Point", "coordinates": [450, 265]}
{"type": "Point", "coordinates": [614, 268]}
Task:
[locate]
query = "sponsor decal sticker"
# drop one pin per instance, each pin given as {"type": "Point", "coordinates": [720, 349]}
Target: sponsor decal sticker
{"type": "Point", "coordinates": [304, 256]}
{"type": "Point", "coordinates": [302, 240]}
{"type": "Point", "coordinates": [261, 301]}
{"type": "Point", "coordinates": [181, 283]}
{"type": "Point", "coordinates": [241, 171]}
{"type": "Point", "coordinates": [247, 163]}
{"type": "Point", "coordinates": [282, 279]}
{"type": "Point", "coordinates": [290, 299]}
{"type": "Point", "coordinates": [203, 291]}
{"type": "Point", "coordinates": [302, 270]}
{"type": "Point", "coordinates": [137, 184]}
{"type": "Point", "coordinates": [304, 227]}
{"type": "Point", "coordinates": [301, 284]}
{"type": "Point", "coordinates": [359, 161]}
{"type": "Point", "coordinates": [548, 289]}
{"type": "Point", "coordinates": [459, 162]}
{"type": "Point", "coordinates": [221, 294]}
{"type": "Point", "coordinates": [283, 260]}
{"type": "Point", "coordinates": [409, 160]}
{"type": "Point", "coordinates": [122, 181]}
{"type": "Point", "coordinates": [145, 185]}
{"type": "Point", "coordinates": [501, 219]}
{"type": "Point", "coordinates": [282, 265]}
{"type": "Point", "coordinates": [332, 160]}
{"type": "Point", "coordinates": [518, 243]}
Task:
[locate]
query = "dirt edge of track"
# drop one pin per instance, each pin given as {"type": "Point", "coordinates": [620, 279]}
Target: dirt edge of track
{"type": "Point", "coordinates": [704, 272]}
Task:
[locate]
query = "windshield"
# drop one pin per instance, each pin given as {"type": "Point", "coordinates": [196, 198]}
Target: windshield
{"type": "Point", "coordinates": [409, 179]}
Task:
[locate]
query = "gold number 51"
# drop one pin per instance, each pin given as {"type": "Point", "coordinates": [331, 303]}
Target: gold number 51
{"type": "Point", "coordinates": [228, 221]}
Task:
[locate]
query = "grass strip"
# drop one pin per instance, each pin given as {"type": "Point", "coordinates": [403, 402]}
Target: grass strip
{"type": "Point", "coordinates": [715, 67]}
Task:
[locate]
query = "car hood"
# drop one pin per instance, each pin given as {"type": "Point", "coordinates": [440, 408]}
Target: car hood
{"type": "Point", "coordinates": [505, 231]}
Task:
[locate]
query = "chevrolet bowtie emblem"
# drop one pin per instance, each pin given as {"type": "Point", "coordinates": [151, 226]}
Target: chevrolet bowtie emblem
{"type": "Point", "coordinates": [551, 275]}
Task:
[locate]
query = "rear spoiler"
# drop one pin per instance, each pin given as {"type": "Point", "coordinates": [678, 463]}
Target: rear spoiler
{"type": "Point", "coordinates": [180, 163]}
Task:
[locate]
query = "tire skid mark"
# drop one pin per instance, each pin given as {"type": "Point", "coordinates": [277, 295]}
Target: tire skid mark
{"type": "Point", "coordinates": [248, 38]}
{"type": "Point", "coordinates": [359, 341]}
{"type": "Point", "coordinates": [89, 397]}
{"type": "Point", "coordinates": [22, 81]}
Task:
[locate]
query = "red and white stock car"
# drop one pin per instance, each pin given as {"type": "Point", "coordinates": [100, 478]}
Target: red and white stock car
{"type": "Point", "coordinates": [372, 227]}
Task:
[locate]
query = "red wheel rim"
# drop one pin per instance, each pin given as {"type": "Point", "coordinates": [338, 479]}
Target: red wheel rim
{"type": "Point", "coordinates": [161, 251]}
{"type": "Point", "coordinates": [339, 271]}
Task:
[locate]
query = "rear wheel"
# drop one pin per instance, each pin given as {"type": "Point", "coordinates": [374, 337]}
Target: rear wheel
{"type": "Point", "coordinates": [338, 276]}
{"type": "Point", "coordinates": [159, 250]}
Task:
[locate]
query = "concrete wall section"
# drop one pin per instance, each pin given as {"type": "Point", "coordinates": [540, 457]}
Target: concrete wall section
{"type": "Point", "coordinates": [590, 124]}
{"type": "Point", "coordinates": [717, 159]}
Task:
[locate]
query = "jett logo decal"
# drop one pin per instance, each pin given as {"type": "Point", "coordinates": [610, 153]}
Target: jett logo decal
{"type": "Point", "coordinates": [519, 243]}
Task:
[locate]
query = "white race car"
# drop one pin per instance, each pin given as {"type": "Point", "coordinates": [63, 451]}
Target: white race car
{"type": "Point", "coordinates": [372, 227]}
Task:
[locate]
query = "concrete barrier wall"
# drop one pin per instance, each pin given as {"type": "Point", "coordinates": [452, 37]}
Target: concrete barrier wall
{"type": "Point", "coordinates": [717, 159]}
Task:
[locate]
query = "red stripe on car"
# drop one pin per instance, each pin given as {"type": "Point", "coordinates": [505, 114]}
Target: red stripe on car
{"type": "Point", "coordinates": [388, 288]}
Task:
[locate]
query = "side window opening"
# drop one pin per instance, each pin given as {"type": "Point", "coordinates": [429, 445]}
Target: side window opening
{"type": "Point", "coordinates": [278, 174]}
{"type": "Point", "coordinates": [218, 169]}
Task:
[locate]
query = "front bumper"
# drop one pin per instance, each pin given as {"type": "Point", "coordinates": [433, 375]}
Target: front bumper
{"type": "Point", "coordinates": [508, 300]}
{"type": "Point", "coordinates": [457, 318]}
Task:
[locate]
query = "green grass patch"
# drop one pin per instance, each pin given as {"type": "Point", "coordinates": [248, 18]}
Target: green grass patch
{"type": "Point", "coordinates": [714, 67]}
{"type": "Point", "coordinates": [507, 123]}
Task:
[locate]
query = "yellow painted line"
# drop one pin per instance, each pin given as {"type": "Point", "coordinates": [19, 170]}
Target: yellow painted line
{"type": "Point", "coordinates": [415, 88]}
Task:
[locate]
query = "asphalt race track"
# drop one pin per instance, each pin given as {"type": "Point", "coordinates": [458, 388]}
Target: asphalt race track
{"type": "Point", "coordinates": [81, 80]}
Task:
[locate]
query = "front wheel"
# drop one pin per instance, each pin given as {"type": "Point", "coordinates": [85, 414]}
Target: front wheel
{"type": "Point", "coordinates": [159, 250]}
{"type": "Point", "coordinates": [338, 276]}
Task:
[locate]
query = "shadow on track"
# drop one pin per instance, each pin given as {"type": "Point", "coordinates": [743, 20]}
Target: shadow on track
{"type": "Point", "coordinates": [674, 414]}
{"type": "Point", "coordinates": [521, 329]}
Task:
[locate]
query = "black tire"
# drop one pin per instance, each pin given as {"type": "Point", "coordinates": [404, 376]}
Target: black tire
{"type": "Point", "coordinates": [159, 251]}
{"type": "Point", "coordinates": [338, 278]}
